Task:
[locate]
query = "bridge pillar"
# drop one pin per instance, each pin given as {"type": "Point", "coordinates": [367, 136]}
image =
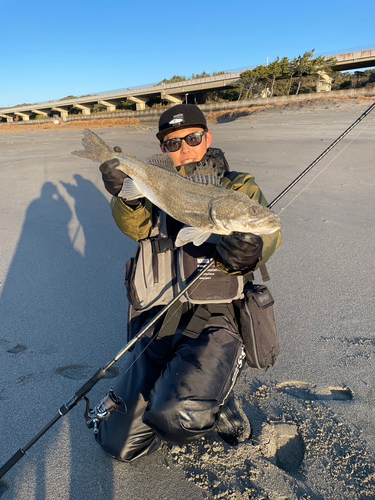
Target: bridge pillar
{"type": "Point", "coordinates": [140, 104]}
{"type": "Point", "coordinates": [110, 106]}
{"type": "Point", "coordinates": [324, 82]}
{"type": "Point", "coordinates": [171, 98]}
{"type": "Point", "coordinates": [85, 109]}
{"type": "Point", "coordinates": [63, 112]}
{"type": "Point", "coordinates": [24, 116]}
{"type": "Point", "coordinates": [8, 117]}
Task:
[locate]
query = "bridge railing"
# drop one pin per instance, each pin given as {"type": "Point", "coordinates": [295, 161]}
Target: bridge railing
{"type": "Point", "coordinates": [348, 51]}
{"type": "Point", "coordinates": [138, 89]}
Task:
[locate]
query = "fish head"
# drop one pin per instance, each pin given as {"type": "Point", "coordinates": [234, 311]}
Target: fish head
{"type": "Point", "coordinates": [243, 216]}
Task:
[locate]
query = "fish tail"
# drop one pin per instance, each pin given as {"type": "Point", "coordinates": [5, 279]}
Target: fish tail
{"type": "Point", "coordinates": [95, 148]}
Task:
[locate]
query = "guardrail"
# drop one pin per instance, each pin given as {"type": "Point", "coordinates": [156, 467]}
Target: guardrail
{"type": "Point", "coordinates": [347, 51]}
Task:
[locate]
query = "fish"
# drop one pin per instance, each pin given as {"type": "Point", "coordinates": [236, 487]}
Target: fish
{"type": "Point", "coordinates": [203, 208]}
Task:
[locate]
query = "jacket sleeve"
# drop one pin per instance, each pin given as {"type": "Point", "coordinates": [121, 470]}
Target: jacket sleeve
{"type": "Point", "coordinates": [135, 223]}
{"type": "Point", "coordinates": [246, 184]}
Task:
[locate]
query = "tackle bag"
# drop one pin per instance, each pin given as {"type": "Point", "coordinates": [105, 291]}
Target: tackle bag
{"type": "Point", "coordinates": [257, 326]}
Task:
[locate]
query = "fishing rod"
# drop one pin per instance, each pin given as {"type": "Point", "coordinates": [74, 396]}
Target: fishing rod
{"type": "Point", "coordinates": [320, 157]}
{"type": "Point", "coordinates": [87, 386]}
{"type": "Point", "coordinates": [111, 402]}
{"type": "Point", "coordinates": [307, 169]}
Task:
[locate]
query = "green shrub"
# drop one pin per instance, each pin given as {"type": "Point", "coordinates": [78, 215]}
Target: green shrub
{"type": "Point", "coordinates": [98, 108]}
{"type": "Point", "coordinates": [75, 111]}
{"type": "Point", "coordinates": [126, 105]}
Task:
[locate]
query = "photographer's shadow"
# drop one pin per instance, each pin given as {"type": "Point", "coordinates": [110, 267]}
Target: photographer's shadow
{"type": "Point", "coordinates": [66, 304]}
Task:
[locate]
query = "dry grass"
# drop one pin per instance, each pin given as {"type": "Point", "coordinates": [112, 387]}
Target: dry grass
{"type": "Point", "coordinates": [215, 117]}
{"type": "Point", "coordinates": [76, 125]}
{"type": "Point", "coordinates": [233, 114]}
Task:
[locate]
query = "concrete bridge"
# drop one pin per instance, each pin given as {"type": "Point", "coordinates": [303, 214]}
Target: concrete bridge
{"type": "Point", "coordinates": [362, 57]}
{"type": "Point", "coordinates": [174, 93]}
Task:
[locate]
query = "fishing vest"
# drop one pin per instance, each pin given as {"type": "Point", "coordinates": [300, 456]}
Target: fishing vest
{"type": "Point", "coordinates": [159, 271]}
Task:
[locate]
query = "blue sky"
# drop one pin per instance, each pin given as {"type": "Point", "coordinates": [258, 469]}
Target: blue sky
{"type": "Point", "coordinates": [50, 50]}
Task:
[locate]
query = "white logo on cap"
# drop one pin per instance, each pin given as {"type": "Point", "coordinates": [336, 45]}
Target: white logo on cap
{"type": "Point", "coordinates": [177, 120]}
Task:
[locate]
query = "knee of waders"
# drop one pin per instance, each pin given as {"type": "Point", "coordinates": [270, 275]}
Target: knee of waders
{"type": "Point", "coordinates": [126, 442]}
{"type": "Point", "coordinates": [179, 422]}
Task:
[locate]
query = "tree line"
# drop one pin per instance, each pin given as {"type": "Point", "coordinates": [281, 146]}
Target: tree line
{"type": "Point", "coordinates": [283, 76]}
{"type": "Point", "coordinates": [178, 78]}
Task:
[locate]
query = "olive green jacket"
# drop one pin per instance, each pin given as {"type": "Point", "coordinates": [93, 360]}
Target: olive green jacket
{"type": "Point", "coordinates": [137, 223]}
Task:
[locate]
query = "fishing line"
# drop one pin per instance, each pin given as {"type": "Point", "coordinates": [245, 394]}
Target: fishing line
{"type": "Point", "coordinates": [323, 169]}
{"type": "Point", "coordinates": [320, 157]}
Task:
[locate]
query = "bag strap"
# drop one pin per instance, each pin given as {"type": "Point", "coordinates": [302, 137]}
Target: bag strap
{"type": "Point", "coordinates": [198, 321]}
{"type": "Point", "coordinates": [264, 272]}
{"type": "Point", "coordinates": [203, 313]}
{"type": "Point", "coordinates": [172, 319]}
{"type": "Point", "coordinates": [162, 245]}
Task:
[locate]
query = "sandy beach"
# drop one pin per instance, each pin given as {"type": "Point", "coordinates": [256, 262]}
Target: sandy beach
{"type": "Point", "coordinates": [63, 315]}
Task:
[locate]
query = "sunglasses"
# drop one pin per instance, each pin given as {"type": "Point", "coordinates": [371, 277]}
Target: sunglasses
{"type": "Point", "coordinates": [173, 145]}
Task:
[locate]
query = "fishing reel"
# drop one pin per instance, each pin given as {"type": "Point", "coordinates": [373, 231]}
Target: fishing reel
{"type": "Point", "coordinates": [103, 411]}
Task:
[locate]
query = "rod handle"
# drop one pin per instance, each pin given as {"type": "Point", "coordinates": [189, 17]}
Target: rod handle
{"type": "Point", "coordinates": [82, 391]}
{"type": "Point", "coordinates": [11, 462]}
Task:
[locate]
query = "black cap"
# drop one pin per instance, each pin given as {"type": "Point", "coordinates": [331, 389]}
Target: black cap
{"type": "Point", "coordinates": [180, 116]}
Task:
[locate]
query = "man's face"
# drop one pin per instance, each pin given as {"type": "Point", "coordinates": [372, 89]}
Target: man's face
{"type": "Point", "coordinates": [188, 154]}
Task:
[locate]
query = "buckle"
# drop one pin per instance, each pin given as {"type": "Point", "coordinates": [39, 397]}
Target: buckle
{"type": "Point", "coordinates": [162, 245]}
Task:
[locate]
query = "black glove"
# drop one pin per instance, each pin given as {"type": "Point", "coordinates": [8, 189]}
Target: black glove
{"type": "Point", "coordinates": [112, 177]}
{"type": "Point", "coordinates": [238, 253]}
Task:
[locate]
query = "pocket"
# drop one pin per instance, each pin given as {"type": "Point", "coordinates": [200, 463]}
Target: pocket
{"type": "Point", "coordinates": [149, 277]}
{"type": "Point", "coordinates": [257, 326]}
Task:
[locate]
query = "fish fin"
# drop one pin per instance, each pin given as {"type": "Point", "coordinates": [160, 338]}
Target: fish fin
{"type": "Point", "coordinates": [162, 160]}
{"type": "Point", "coordinates": [129, 190]}
{"type": "Point", "coordinates": [204, 237]}
{"type": "Point", "coordinates": [95, 148]}
{"type": "Point", "coordinates": [190, 234]}
{"type": "Point", "coordinates": [205, 179]}
{"type": "Point", "coordinates": [206, 172]}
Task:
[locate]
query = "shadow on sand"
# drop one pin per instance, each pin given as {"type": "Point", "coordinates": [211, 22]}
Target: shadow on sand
{"type": "Point", "coordinates": [65, 302]}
